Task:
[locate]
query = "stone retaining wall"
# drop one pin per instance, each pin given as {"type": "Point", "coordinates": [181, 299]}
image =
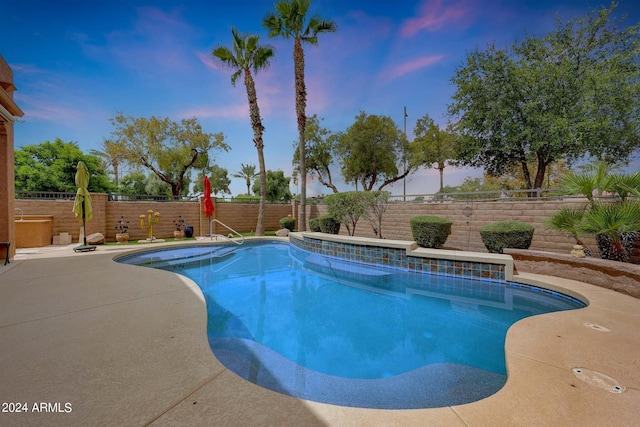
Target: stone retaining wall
{"type": "Point", "coordinates": [618, 276]}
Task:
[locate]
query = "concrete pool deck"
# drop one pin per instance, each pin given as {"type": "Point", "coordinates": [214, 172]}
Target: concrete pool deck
{"type": "Point", "coordinates": [101, 343]}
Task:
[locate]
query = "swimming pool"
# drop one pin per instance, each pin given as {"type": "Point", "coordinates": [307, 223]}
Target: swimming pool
{"type": "Point", "coordinates": [324, 329]}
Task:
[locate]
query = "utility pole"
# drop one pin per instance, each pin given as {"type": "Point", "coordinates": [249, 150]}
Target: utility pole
{"type": "Point", "coordinates": [404, 180]}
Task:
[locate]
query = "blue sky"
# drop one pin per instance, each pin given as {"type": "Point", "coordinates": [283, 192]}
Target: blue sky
{"type": "Point", "coordinates": [78, 63]}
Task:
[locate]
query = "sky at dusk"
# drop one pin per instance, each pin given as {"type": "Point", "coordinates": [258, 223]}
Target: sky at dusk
{"type": "Point", "coordinates": [77, 63]}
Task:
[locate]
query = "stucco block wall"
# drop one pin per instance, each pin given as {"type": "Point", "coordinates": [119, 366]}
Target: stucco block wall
{"type": "Point", "coordinates": [465, 233]}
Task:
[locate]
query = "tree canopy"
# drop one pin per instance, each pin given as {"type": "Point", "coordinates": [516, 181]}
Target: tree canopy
{"type": "Point", "coordinates": [167, 148]}
{"type": "Point", "coordinates": [52, 166]}
{"type": "Point", "coordinates": [218, 178]}
{"type": "Point", "coordinates": [320, 147]}
{"type": "Point", "coordinates": [432, 146]}
{"type": "Point", "coordinates": [374, 152]}
{"type": "Point", "coordinates": [277, 187]}
{"type": "Point", "coordinates": [569, 94]}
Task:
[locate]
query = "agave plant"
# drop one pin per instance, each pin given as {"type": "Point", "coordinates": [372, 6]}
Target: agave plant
{"type": "Point", "coordinates": [615, 226]}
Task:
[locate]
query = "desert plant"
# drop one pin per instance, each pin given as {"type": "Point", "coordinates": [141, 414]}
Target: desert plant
{"type": "Point", "coordinates": [179, 223]}
{"type": "Point", "coordinates": [506, 234]}
{"type": "Point", "coordinates": [328, 224]}
{"type": "Point", "coordinates": [314, 224]}
{"type": "Point", "coordinates": [430, 231]}
{"type": "Point", "coordinates": [288, 223]}
{"type": "Point", "coordinates": [122, 225]}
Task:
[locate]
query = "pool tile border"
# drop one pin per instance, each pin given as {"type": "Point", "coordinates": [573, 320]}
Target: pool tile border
{"type": "Point", "coordinates": [404, 254]}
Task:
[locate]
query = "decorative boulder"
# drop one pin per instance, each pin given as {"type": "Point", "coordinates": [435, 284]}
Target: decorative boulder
{"type": "Point", "coordinates": [95, 239]}
{"type": "Point", "coordinates": [283, 232]}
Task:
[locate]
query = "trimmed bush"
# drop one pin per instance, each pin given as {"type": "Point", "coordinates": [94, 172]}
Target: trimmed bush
{"type": "Point", "coordinates": [314, 224]}
{"type": "Point", "coordinates": [288, 223]}
{"type": "Point", "coordinates": [328, 224]}
{"type": "Point", "coordinates": [506, 234]}
{"type": "Point", "coordinates": [430, 231]}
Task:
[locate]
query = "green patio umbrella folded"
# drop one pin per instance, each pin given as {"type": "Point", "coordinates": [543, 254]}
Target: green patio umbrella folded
{"type": "Point", "coordinates": [82, 205]}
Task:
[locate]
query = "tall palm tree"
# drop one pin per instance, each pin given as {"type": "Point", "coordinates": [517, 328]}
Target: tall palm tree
{"type": "Point", "coordinates": [247, 172]}
{"type": "Point", "coordinates": [245, 55]}
{"type": "Point", "coordinates": [112, 154]}
{"type": "Point", "coordinates": [290, 21]}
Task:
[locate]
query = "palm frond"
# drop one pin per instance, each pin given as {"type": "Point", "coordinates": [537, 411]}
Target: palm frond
{"type": "Point", "coordinates": [566, 219]}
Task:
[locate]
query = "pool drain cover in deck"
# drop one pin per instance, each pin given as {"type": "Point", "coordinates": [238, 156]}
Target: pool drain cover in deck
{"type": "Point", "coordinates": [599, 380]}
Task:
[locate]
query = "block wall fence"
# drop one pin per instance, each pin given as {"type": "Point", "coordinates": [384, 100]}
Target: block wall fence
{"type": "Point", "coordinates": [106, 214]}
{"type": "Point", "coordinates": [467, 219]}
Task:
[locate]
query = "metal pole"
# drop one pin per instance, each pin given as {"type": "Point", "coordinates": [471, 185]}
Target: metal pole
{"type": "Point", "coordinates": [404, 180]}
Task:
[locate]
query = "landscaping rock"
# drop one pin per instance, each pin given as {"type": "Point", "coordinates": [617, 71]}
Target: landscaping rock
{"type": "Point", "coordinates": [95, 239]}
{"type": "Point", "coordinates": [283, 232]}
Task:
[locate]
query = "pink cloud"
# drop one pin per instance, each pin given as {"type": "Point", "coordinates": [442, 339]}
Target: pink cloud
{"type": "Point", "coordinates": [435, 14]}
{"type": "Point", "coordinates": [206, 59]}
{"type": "Point", "coordinates": [409, 66]}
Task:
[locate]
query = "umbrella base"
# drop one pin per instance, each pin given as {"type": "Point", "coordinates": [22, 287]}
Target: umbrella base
{"type": "Point", "coordinates": [84, 248]}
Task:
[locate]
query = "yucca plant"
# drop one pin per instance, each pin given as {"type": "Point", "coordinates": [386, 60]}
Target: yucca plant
{"type": "Point", "coordinates": [615, 226]}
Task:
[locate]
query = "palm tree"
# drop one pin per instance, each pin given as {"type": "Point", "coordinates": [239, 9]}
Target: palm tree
{"type": "Point", "coordinates": [113, 154]}
{"type": "Point", "coordinates": [247, 172]}
{"type": "Point", "coordinates": [290, 21]}
{"type": "Point", "coordinates": [245, 55]}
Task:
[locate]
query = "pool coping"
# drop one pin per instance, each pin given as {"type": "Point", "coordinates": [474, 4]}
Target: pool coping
{"type": "Point", "coordinates": [128, 346]}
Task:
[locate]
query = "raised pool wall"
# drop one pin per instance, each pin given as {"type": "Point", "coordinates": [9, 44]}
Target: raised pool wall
{"type": "Point", "coordinates": [407, 254]}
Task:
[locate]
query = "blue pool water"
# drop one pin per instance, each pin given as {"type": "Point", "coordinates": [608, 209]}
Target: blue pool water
{"type": "Point", "coordinates": [351, 334]}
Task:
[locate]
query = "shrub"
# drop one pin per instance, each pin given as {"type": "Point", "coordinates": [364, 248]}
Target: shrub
{"type": "Point", "coordinates": [506, 234]}
{"type": "Point", "coordinates": [314, 224]}
{"type": "Point", "coordinates": [347, 208]}
{"type": "Point", "coordinates": [430, 231]}
{"type": "Point", "coordinates": [288, 223]}
{"type": "Point", "coordinates": [328, 224]}
{"type": "Point", "coordinates": [375, 206]}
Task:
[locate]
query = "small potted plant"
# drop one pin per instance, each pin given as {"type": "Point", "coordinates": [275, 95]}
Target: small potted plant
{"type": "Point", "coordinates": [178, 233]}
{"type": "Point", "coordinates": [122, 233]}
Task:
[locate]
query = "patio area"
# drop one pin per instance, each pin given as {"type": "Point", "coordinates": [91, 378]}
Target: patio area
{"type": "Point", "coordinates": [101, 343]}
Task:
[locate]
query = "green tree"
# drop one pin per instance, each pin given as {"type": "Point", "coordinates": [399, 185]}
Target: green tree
{"type": "Point", "coordinates": [292, 22]}
{"type": "Point", "coordinates": [113, 154]}
{"type": "Point", "coordinates": [167, 148]}
{"type": "Point", "coordinates": [320, 147]}
{"type": "Point", "coordinates": [135, 182]}
{"type": "Point", "coordinates": [52, 166]}
{"type": "Point", "coordinates": [374, 151]}
{"type": "Point", "coordinates": [432, 146]}
{"type": "Point", "coordinates": [218, 177]}
{"type": "Point", "coordinates": [248, 173]}
{"type": "Point", "coordinates": [245, 55]}
{"type": "Point", "coordinates": [569, 94]}
{"type": "Point", "coordinates": [347, 208]}
{"type": "Point", "coordinates": [277, 187]}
